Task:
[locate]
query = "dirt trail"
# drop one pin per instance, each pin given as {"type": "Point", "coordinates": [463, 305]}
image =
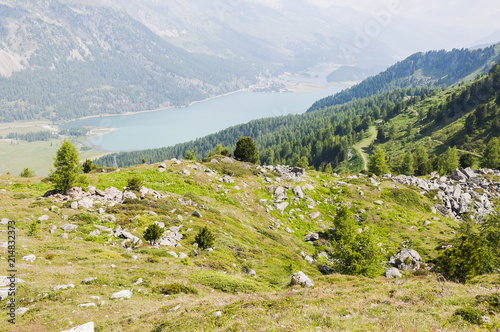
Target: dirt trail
{"type": "Point", "coordinates": [366, 143]}
{"type": "Point", "coordinates": [464, 151]}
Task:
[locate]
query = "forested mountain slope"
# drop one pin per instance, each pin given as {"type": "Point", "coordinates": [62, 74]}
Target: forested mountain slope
{"type": "Point", "coordinates": [63, 60]}
{"type": "Point", "coordinates": [405, 118]}
{"type": "Point", "coordinates": [439, 68]}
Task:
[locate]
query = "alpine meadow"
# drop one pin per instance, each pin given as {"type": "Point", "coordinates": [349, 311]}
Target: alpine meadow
{"type": "Point", "coordinates": [375, 208]}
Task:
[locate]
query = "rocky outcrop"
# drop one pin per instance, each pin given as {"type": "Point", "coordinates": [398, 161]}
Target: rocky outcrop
{"type": "Point", "coordinates": [87, 199]}
{"type": "Point", "coordinates": [301, 279]}
{"type": "Point", "coordinates": [464, 191]}
{"type": "Point", "coordinates": [406, 259]}
{"type": "Point", "coordinates": [171, 237]}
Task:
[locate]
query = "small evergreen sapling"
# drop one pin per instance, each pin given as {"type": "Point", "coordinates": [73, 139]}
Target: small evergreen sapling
{"type": "Point", "coordinates": [135, 183]}
{"type": "Point", "coordinates": [153, 233]}
{"type": "Point", "coordinates": [205, 238]}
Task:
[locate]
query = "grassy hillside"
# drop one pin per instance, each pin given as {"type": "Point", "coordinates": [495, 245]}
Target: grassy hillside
{"type": "Point", "coordinates": [250, 233]}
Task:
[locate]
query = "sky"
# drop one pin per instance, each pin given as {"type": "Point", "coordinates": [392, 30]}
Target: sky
{"type": "Point", "coordinates": [481, 16]}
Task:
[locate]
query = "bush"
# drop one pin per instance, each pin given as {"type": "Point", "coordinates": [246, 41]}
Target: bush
{"type": "Point", "coordinates": [33, 229]}
{"type": "Point", "coordinates": [227, 283]}
{"type": "Point", "coordinates": [471, 315]}
{"type": "Point", "coordinates": [491, 301]}
{"type": "Point", "coordinates": [153, 233]}
{"type": "Point", "coordinates": [135, 183]}
{"type": "Point", "coordinates": [27, 173]}
{"type": "Point", "coordinates": [205, 238]}
{"type": "Point", "coordinates": [174, 288]}
{"type": "Point", "coordinates": [84, 217]}
{"type": "Point", "coordinates": [88, 166]}
{"type": "Point", "coordinates": [354, 253]}
{"type": "Point", "coordinates": [464, 261]}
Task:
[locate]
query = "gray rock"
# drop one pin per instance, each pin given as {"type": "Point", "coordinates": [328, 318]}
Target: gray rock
{"type": "Point", "coordinates": [314, 215]}
{"type": "Point", "coordinates": [86, 305]}
{"type": "Point", "coordinates": [69, 227]}
{"type": "Point", "coordinates": [218, 313]}
{"type": "Point", "coordinates": [129, 195]}
{"type": "Point", "coordinates": [311, 237]}
{"type": "Point", "coordinates": [298, 192]}
{"type": "Point", "coordinates": [86, 203]}
{"type": "Point", "coordinates": [64, 236]}
{"type": "Point", "coordinates": [406, 259]}
{"type": "Point", "coordinates": [74, 205]}
{"type": "Point", "coordinates": [29, 258]}
{"type": "Point", "coordinates": [280, 195]}
{"type": "Point", "coordinates": [459, 176]}
{"type": "Point", "coordinates": [197, 214]}
{"type": "Point", "coordinates": [228, 160]}
{"type": "Point", "coordinates": [426, 223]}
{"type": "Point", "coordinates": [4, 221]}
{"type": "Point", "coordinates": [124, 294]}
{"type": "Point", "coordinates": [378, 202]}
{"type": "Point", "coordinates": [43, 218]}
{"type": "Point", "coordinates": [325, 270]}
{"type": "Point", "coordinates": [392, 272]}
{"type": "Point", "coordinates": [58, 287]}
{"type": "Point", "coordinates": [21, 311]}
{"type": "Point", "coordinates": [300, 278]}
{"type": "Point", "coordinates": [4, 293]}
{"type": "Point", "coordinates": [288, 230]}
{"type": "Point", "coordinates": [88, 327]}
{"type": "Point", "coordinates": [281, 206]}
{"type": "Point", "coordinates": [75, 193]}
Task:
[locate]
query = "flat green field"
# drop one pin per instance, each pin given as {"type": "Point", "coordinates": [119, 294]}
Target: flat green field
{"type": "Point", "coordinates": [16, 155]}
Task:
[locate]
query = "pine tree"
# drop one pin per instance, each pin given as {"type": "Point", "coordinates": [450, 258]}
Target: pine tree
{"type": "Point", "coordinates": [328, 168]}
{"type": "Point", "coordinates": [491, 155]}
{"type": "Point", "coordinates": [377, 163]}
{"type": "Point", "coordinates": [190, 155]}
{"type": "Point", "coordinates": [407, 164]}
{"type": "Point", "coordinates": [88, 166]}
{"type": "Point", "coordinates": [246, 150]}
{"type": "Point", "coordinates": [205, 238]}
{"type": "Point", "coordinates": [153, 233]}
{"type": "Point", "coordinates": [67, 167]}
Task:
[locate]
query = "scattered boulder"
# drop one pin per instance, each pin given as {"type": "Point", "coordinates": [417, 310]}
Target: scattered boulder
{"type": "Point", "coordinates": [124, 294]}
{"type": "Point", "coordinates": [21, 311]}
{"type": "Point", "coordinates": [298, 192]}
{"type": "Point", "coordinates": [287, 172]}
{"type": "Point", "coordinates": [197, 214]}
{"type": "Point", "coordinates": [129, 195]}
{"type": "Point", "coordinates": [300, 278]}
{"type": "Point", "coordinates": [88, 327]}
{"type": "Point", "coordinates": [314, 215]}
{"type": "Point", "coordinates": [86, 305]}
{"type": "Point", "coordinates": [406, 259]}
{"type": "Point", "coordinates": [281, 206]}
{"type": "Point", "coordinates": [162, 168]}
{"type": "Point", "coordinates": [29, 258]}
{"type": "Point", "coordinates": [426, 223]}
{"type": "Point", "coordinates": [86, 203]}
{"type": "Point", "coordinates": [378, 202]}
{"type": "Point", "coordinates": [69, 227]}
{"type": "Point", "coordinates": [58, 287]}
{"type": "Point", "coordinates": [311, 237]}
{"type": "Point", "coordinates": [392, 272]}
{"type": "Point", "coordinates": [43, 218]}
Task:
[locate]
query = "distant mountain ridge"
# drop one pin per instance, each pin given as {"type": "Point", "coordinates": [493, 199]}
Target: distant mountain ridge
{"type": "Point", "coordinates": [420, 69]}
{"type": "Point", "coordinates": [65, 60]}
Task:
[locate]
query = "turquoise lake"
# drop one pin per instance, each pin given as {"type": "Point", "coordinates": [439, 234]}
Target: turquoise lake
{"type": "Point", "coordinates": [177, 125]}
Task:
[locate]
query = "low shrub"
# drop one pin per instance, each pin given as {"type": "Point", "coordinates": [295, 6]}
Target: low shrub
{"type": "Point", "coordinates": [227, 283]}
{"type": "Point", "coordinates": [471, 315]}
{"type": "Point", "coordinates": [174, 288]}
{"type": "Point", "coordinates": [84, 217]}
